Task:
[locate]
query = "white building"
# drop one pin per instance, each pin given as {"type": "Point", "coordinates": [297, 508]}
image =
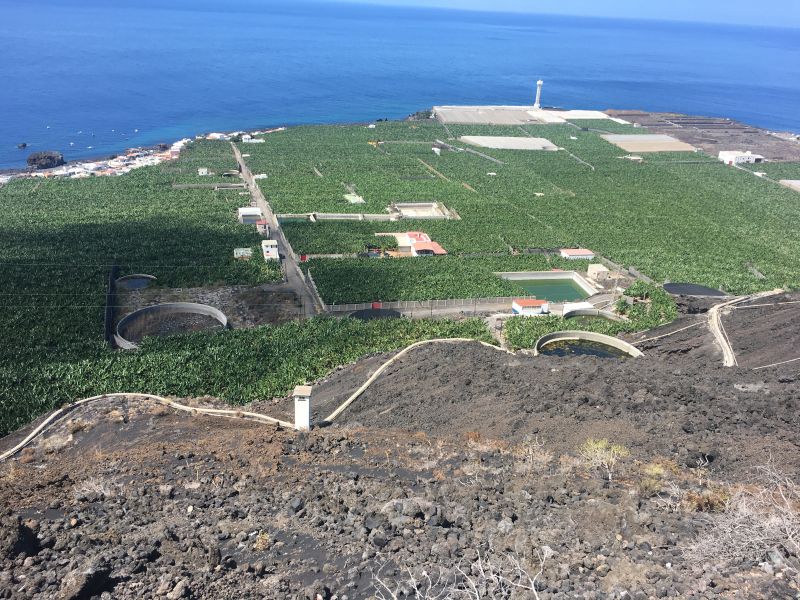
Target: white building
{"type": "Point", "coordinates": [737, 157]}
{"type": "Point", "coordinates": [598, 272]}
{"type": "Point", "coordinates": [529, 307]}
{"type": "Point", "coordinates": [250, 215]}
{"type": "Point", "coordinates": [202, 172]}
{"type": "Point", "coordinates": [577, 254]}
{"type": "Point", "coordinates": [270, 250]}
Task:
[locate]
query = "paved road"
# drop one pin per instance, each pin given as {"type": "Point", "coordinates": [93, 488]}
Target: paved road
{"type": "Point", "coordinates": [291, 266]}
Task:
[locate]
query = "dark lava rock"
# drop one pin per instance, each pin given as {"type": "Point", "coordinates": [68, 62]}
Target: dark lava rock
{"type": "Point", "coordinates": [86, 582]}
{"type": "Point", "coordinates": [46, 160]}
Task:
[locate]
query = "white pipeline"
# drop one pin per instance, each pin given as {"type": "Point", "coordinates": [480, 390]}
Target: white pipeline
{"type": "Point", "coordinates": [214, 412]}
{"type": "Point", "coordinates": [354, 396]}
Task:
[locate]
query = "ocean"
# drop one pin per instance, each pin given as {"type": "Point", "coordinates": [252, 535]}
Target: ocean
{"type": "Point", "coordinates": [92, 77]}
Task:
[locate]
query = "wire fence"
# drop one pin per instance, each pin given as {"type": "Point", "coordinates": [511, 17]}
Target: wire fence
{"type": "Point", "coordinates": [424, 305]}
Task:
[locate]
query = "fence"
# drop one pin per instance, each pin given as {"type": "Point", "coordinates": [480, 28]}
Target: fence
{"type": "Point", "coordinates": [111, 304]}
{"type": "Point", "coordinates": [473, 304]}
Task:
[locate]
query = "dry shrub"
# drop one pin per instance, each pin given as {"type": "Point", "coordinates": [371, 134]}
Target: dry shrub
{"type": "Point", "coordinates": [653, 477]}
{"type": "Point", "coordinates": [76, 425]}
{"type": "Point", "coordinates": [713, 499]}
{"type": "Point", "coordinates": [472, 437]}
{"type": "Point", "coordinates": [262, 542]}
{"type": "Point", "coordinates": [491, 575]}
{"type": "Point", "coordinates": [755, 521]}
{"type": "Point", "coordinates": [532, 455]}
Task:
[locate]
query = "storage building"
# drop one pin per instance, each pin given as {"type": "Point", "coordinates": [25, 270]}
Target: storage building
{"type": "Point", "coordinates": [737, 157]}
{"type": "Point", "coordinates": [250, 214]}
{"type": "Point", "coordinates": [529, 307]}
{"type": "Point", "coordinates": [270, 250]}
{"type": "Point", "coordinates": [577, 254]}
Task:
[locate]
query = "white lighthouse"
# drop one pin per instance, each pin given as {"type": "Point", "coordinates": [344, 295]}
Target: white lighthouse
{"type": "Point", "coordinates": [539, 85]}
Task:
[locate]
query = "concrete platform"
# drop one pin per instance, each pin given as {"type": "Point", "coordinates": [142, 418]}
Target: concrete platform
{"type": "Point", "coordinates": [512, 115]}
{"type": "Point", "coordinates": [648, 143]}
{"type": "Point", "coordinates": [509, 143]}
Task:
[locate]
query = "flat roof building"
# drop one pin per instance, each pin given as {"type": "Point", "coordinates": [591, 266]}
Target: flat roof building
{"type": "Point", "coordinates": [250, 215]}
{"type": "Point", "coordinates": [528, 307]}
{"type": "Point", "coordinates": [737, 157]}
{"type": "Point", "coordinates": [577, 254]}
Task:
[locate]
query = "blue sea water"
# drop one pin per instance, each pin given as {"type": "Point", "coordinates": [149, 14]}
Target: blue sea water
{"type": "Point", "coordinates": [92, 77]}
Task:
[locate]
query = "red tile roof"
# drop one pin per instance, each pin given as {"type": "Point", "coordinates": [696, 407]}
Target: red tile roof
{"type": "Point", "coordinates": [432, 246]}
{"type": "Point", "coordinates": [530, 302]}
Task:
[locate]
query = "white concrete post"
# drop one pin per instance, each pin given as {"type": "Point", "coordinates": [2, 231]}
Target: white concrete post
{"type": "Point", "coordinates": [302, 407]}
{"type": "Point", "coordinates": [538, 103]}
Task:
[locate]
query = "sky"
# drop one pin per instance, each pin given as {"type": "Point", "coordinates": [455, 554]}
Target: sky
{"type": "Point", "coordinates": [778, 13]}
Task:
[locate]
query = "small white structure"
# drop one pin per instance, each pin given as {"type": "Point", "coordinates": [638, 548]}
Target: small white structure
{"type": "Point", "coordinates": [371, 126]}
{"type": "Point", "coordinates": [250, 215]}
{"type": "Point", "coordinates": [538, 103]}
{"type": "Point", "coordinates": [253, 141]}
{"type": "Point", "coordinates": [529, 307]}
{"type": "Point", "coordinates": [202, 172]}
{"type": "Point", "coordinates": [242, 253]}
{"type": "Point", "coordinates": [302, 407]}
{"type": "Point", "coordinates": [437, 151]}
{"type": "Point", "coordinates": [737, 157]}
{"type": "Point", "coordinates": [577, 254]}
{"type": "Point", "coordinates": [354, 198]}
{"type": "Point", "coordinates": [269, 248]}
{"type": "Point", "coordinates": [598, 272]}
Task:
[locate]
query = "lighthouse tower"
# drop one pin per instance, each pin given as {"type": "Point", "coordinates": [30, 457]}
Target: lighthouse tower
{"type": "Point", "coordinates": [539, 85]}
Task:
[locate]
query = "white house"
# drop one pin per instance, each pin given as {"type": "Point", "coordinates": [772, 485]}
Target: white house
{"type": "Point", "coordinates": [250, 215]}
{"type": "Point", "coordinates": [528, 307]}
{"type": "Point", "coordinates": [577, 254]}
{"type": "Point", "coordinates": [737, 157]}
{"type": "Point", "coordinates": [202, 171]}
{"type": "Point", "coordinates": [270, 250]}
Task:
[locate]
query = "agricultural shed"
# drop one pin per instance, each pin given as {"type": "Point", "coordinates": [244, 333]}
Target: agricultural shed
{"type": "Point", "coordinates": [528, 307]}
{"type": "Point", "coordinates": [576, 254]}
{"type": "Point", "coordinates": [250, 215]}
{"type": "Point", "coordinates": [427, 249]}
{"type": "Point", "coordinates": [737, 157]}
{"type": "Point", "coordinates": [242, 253]}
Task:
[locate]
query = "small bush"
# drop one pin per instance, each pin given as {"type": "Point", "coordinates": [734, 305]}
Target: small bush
{"type": "Point", "coordinates": [602, 455]}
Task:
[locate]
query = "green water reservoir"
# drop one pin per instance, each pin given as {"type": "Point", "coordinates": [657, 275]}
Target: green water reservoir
{"type": "Point", "coordinates": [554, 290]}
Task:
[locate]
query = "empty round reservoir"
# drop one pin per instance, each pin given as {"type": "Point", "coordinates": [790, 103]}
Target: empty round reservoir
{"type": "Point", "coordinates": [174, 318]}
